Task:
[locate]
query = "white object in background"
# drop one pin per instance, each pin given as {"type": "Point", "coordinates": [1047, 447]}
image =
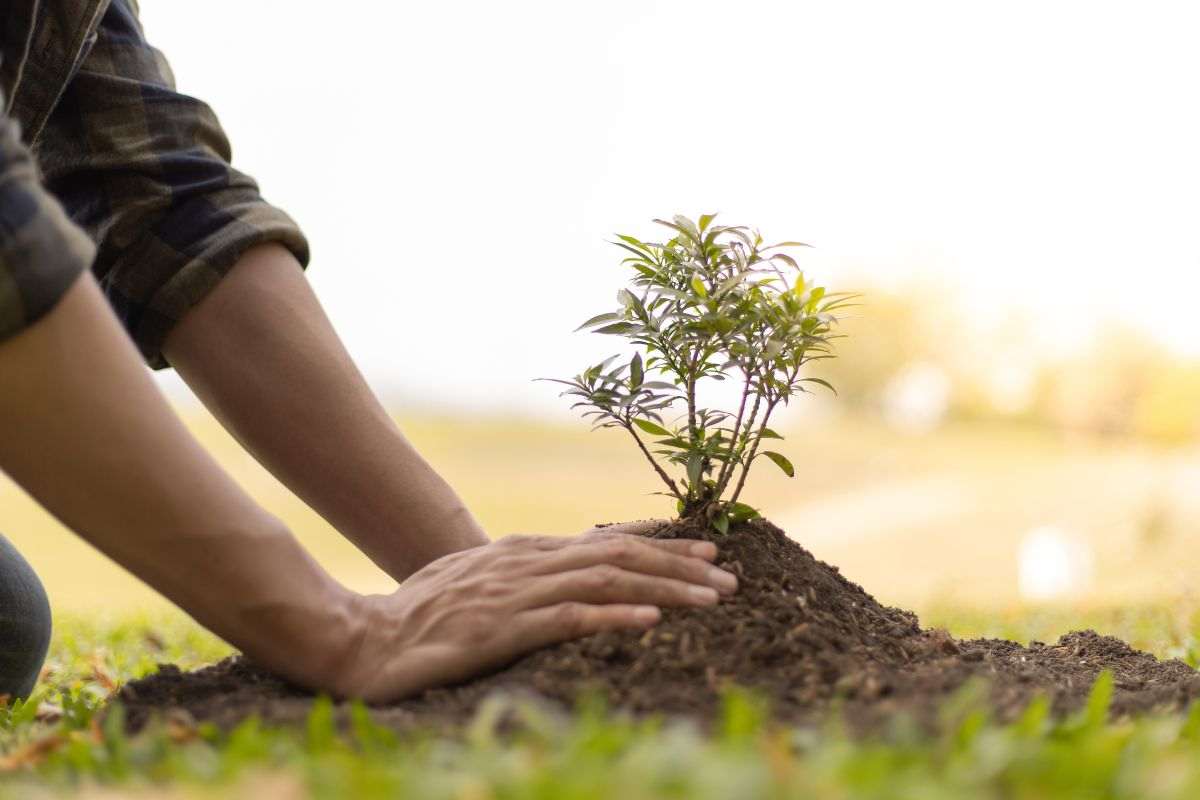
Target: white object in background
{"type": "Point", "coordinates": [917, 398]}
{"type": "Point", "coordinates": [1053, 564]}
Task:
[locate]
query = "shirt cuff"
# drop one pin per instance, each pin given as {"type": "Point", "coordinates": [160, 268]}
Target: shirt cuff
{"type": "Point", "coordinates": [196, 245]}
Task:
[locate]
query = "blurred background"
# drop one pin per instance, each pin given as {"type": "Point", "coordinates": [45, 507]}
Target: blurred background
{"type": "Point", "coordinates": [1012, 188]}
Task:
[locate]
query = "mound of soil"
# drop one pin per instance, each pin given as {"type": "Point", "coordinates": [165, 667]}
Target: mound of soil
{"type": "Point", "coordinates": [797, 632]}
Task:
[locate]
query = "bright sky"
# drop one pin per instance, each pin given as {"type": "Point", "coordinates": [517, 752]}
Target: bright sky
{"type": "Point", "coordinates": [458, 166]}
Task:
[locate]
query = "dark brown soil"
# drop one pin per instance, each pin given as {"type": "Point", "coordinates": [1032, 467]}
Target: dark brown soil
{"type": "Point", "coordinates": [797, 632]}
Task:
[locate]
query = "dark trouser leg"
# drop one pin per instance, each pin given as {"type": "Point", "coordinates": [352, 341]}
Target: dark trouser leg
{"type": "Point", "coordinates": [24, 623]}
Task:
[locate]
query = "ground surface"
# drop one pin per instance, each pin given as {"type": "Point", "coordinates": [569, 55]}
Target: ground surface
{"type": "Point", "coordinates": [798, 633]}
{"type": "Point", "coordinates": [592, 755]}
{"type": "Point", "coordinates": [931, 522]}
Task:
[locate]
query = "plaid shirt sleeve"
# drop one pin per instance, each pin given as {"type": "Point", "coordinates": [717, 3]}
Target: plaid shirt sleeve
{"type": "Point", "coordinates": [41, 251]}
{"type": "Point", "coordinates": [145, 170]}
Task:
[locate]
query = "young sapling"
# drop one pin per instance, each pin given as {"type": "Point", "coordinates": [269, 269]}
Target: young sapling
{"type": "Point", "coordinates": [712, 303]}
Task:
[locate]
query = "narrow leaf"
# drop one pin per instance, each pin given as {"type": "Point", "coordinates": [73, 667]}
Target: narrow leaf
{"type": "Point", "coordinates": [596, 320]}
{"type": "Point", "coordinates": [652, 429]}
{"type": "Point", "coordinates": [780, 462]}
{"type": "Point", "coordinates": [619, 327]}
{"type": "Point", "coordinates": [821, 382]}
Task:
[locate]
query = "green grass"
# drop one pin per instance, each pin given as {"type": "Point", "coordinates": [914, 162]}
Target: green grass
{"type": "Point", "coordinates": [591, 754]}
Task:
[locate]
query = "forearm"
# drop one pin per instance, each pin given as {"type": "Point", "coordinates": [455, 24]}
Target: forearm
{"type": "Point", "coordinates": [262, 355]}
{"type": "Point", "coordinates": [84, 430]}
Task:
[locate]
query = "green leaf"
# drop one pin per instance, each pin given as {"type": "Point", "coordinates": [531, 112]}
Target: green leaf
{"type": "Point", "coordinates": [652, 429]}
{"type": "Point", "coordinates": [721, 523]}
{"type": "Point", "coordinates": [705, 219]}
{"type": "Point", "coordinates": [740, 512]}
{"type": "Point", "coordinates": [619, 327]}
{"type": "Point", "coordinates": [1095, 713]}
{"type": "Point", "coordinates": [695, 463]}
{"type": "Point", "coordinates": [688, 227]}
{"type": "Point", "coordinates": [780, 462]}
{"type": "Point", "coordinates": [767, 433]}
{"type": "Point", "coordinates": [698, 286]}
{"type": "Point", "coordinates": [635, 371]}
{"type": "Point", "coordinates": [821, 382]}
{"type": "Point", "coordinates": [791, 262]}
{"type": "Point", "coordinates": [596, 320]}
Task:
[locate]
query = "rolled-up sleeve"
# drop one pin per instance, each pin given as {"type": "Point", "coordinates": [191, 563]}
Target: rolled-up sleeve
{"type": "Point", "coordinates": [146, 171]}
{"type": "Point", "coordinates": [41, 251]}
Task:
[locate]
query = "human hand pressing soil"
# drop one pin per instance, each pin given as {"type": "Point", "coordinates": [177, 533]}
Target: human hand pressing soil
{"type": "Point", "coordinates": [479, 609]}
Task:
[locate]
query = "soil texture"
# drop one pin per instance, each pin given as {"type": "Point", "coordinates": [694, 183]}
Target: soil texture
{"type": "Point", "coordinates": [797, 632]}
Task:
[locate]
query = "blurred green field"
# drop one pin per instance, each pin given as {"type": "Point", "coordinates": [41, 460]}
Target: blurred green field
{"type": "Point", "coordinates": [917, 519]}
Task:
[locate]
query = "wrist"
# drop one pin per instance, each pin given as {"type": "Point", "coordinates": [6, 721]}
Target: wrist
{"type": "Point", "coordinates": [337, 641]}
{"type": "Point", "coordinates": [290, 615]}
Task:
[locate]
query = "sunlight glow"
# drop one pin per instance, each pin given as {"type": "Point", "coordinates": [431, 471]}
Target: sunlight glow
{"type": "Point", "coordinates": [459, 166]}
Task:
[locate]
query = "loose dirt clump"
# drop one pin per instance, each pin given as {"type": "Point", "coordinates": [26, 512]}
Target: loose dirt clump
{"type": "Point", "coordinates": [797, 633]}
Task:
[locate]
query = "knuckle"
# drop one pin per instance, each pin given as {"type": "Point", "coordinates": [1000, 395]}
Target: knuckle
{"type": "Point", "coordinates": [571, 617]}
{"type": "Point", "coordinates": [493, 588]}
{"type": "Point", "coordinates": [604, 576]}
{"type": "Point", "coordinates": [618, 548]}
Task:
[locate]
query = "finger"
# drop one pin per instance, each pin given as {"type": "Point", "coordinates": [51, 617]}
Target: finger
{"type": "Point", "coordinates": [689, 547]}
{"type": "Point", "coordinates": [528, 542]}
{"type": "Point", "coordinates": [637, 555]}
{"type": "Point", "coordinates": [605, 583]}
{"type": "Point", "coordinates": [549, 625]}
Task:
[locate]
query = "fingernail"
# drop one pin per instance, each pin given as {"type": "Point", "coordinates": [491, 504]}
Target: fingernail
{"type": "Point", "coordinates": [725, 581]}
{"type": "Point", "coordinates": [646, 615]}
{"type": "Point", "coordinates": [704, 549]}
{"type": "Point", "coordinates": [704, 594]}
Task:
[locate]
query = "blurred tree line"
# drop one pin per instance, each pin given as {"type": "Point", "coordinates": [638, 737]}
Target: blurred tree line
{"type": "Point", "coordinates": [917, 359]}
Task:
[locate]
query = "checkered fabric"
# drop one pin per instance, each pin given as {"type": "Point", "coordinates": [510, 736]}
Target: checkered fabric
{"type": "Point", "coordinates": [135, 177]}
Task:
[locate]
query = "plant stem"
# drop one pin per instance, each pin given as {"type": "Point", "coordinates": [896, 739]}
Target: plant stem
{"type": "Point", "coordinates": [661, 473]}
{"type": "Point", "coordinates": [745, 436]}
{"type": "Point", "coordinates": [753, 451]}
{"type": "Point", "coordinates": [691, 400]}
{"type": "Point", "coordinates": [727, 467]}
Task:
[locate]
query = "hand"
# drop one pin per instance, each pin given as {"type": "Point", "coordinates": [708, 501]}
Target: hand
{"type": "Point", "coordinates": [479, 609]}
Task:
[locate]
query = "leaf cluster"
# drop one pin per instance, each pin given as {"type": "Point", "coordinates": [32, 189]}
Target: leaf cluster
{"type": "Point", "coordinates": [710, 303]}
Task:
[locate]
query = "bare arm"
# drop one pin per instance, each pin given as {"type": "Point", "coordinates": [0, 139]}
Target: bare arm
{"type": "Point", "coordinates": [85, 431]}
{"type": "Point", "coordinates": [262, 355]}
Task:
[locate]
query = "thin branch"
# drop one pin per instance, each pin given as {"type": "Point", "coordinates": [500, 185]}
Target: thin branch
{"type": "Point", "coordinates": [753, 451]}
{"type": "Point", "coordinates": [727, 467]}
{"type": "Point", "coordinates": [661, 473]}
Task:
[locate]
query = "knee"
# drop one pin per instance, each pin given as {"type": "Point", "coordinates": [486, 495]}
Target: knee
{"type": "Point", "coordinates": [41, 623]}
{"type": "Point", "coordinates": [25, 624]}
